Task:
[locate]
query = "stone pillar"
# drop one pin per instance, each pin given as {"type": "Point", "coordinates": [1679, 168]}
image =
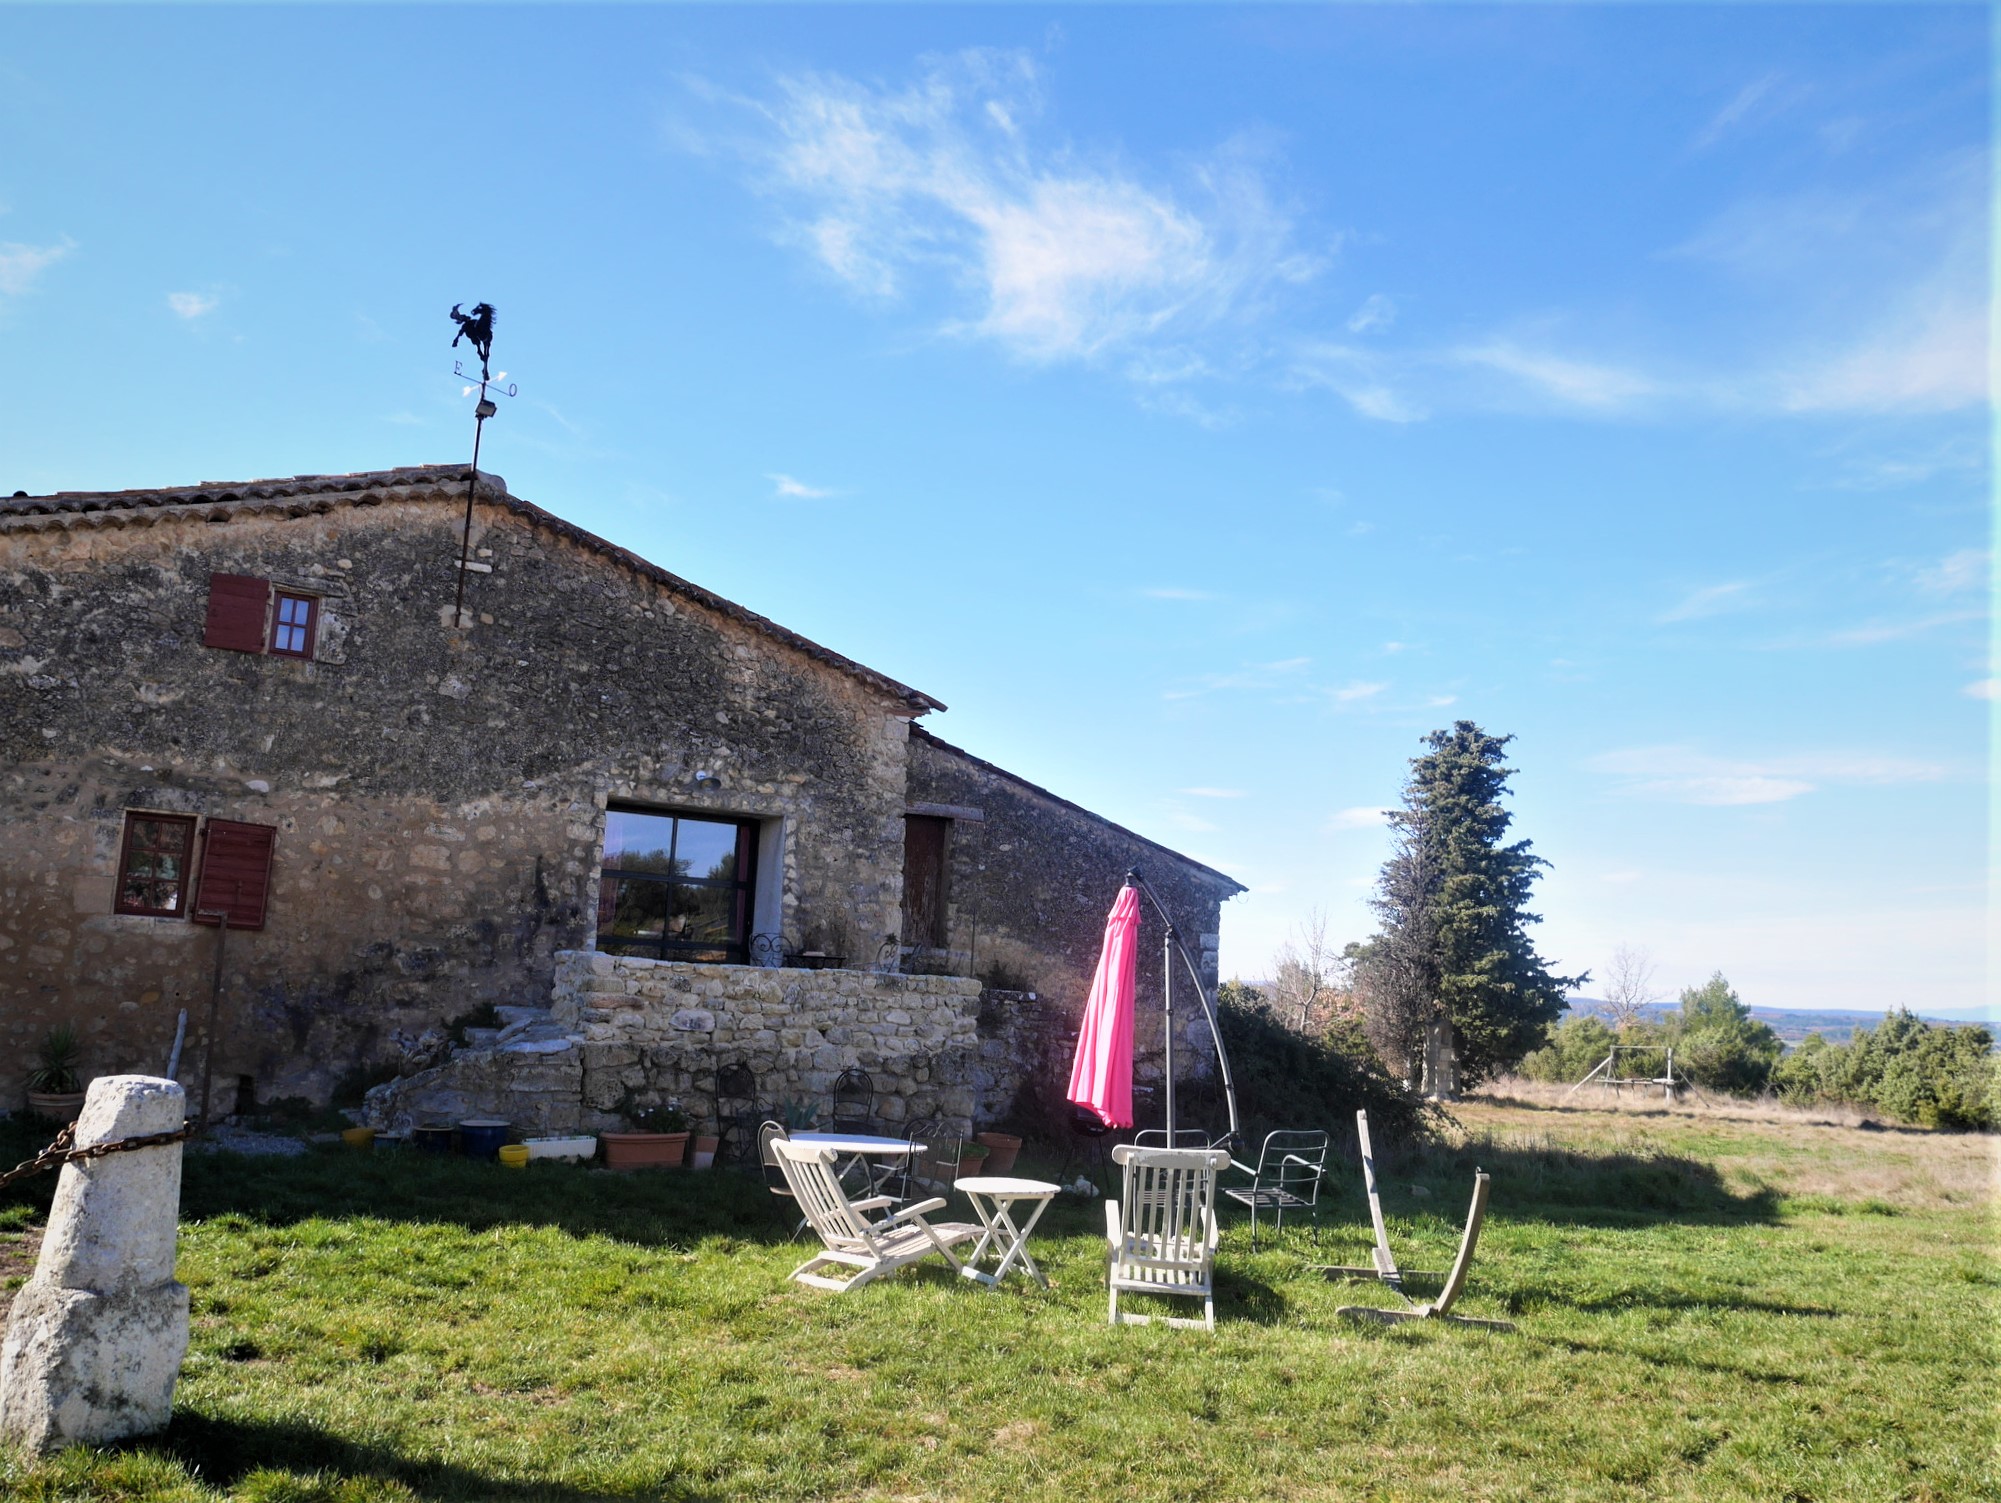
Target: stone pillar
{"type": "Point", "coordinates": [1441, 1062]}
{"type": "Point", "coordinates": [96, 1337]}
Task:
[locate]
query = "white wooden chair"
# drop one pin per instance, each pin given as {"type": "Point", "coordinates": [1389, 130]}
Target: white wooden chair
{"type": "Point", "coordinates": [871, 1248]}
{"type": "Point", "coordinates": [1162, 1228]}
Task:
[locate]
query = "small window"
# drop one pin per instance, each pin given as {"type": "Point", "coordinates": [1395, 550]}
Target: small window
{"type": "Point", "coordinates": [292, 625]}
{"type": "Point", "coordinates": [676, 887]}
{"type": "Point", "coordinates": [153, 864]}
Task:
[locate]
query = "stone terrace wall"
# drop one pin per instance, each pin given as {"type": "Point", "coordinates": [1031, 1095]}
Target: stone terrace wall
{"type": "Point", "coordinates": [662, 1028]}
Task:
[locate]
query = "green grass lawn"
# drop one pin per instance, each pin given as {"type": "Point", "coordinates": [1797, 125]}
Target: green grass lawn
{"type": "Point", "coordinates": [1708, 1309]}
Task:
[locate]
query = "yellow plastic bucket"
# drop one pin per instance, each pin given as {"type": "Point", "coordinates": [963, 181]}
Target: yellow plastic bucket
{"type": "Point", "coordinates": [358, 1137]}
{"type": "Point", "coordinates": [514, 1155]}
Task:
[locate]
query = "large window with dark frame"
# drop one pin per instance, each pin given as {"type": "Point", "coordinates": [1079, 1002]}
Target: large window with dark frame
{"type": "Point", "coordinates": [676, 886]}
{"type": "Point", "coordinates": [153, 864]}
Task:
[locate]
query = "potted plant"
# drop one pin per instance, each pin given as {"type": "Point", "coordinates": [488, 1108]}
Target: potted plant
{"type": "Point", "coordinates": [799, 1114]}
{"type": "Point", "coordinates": [702, 1150]}
{"type": "Point", "coordinates": [1004, 1147]}
{"type": "Point", "coordinates": [658, 1140]}
{"type": "Point", "coordinates": [55, 1089]}
{"type": "Point", "coordinates": [973, 1159]}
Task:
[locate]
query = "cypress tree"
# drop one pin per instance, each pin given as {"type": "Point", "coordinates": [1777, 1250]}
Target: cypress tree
{"type": "Point", "coordinates": [1456, 893]}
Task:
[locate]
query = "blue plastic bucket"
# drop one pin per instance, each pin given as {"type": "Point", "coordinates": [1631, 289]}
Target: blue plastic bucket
{"type": "Point", "coordinates": [482, 1137]}
{"type": "Point", "coordinates": [432, 1139]}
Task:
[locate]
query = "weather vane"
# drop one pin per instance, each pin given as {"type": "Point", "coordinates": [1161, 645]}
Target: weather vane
{"type": "Point", "coordinates": [476, 326]}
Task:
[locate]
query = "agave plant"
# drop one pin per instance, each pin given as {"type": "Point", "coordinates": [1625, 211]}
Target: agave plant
{"type": "Point", "coordinates": [799, 1114]}
{"type": "Point", "coordinates": [55, 1072]}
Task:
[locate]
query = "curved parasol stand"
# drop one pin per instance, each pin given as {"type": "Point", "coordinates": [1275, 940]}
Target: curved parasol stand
{"type": "Point", "coordinates": [1172, 946]}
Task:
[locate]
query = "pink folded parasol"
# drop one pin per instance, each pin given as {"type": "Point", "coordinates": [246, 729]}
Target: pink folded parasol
{"type": "Point", "coordinates": [1102, 1077]}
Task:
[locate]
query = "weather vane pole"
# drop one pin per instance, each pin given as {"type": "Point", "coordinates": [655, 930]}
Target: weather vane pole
{"type": "Point", "coordinates": [476, 326]}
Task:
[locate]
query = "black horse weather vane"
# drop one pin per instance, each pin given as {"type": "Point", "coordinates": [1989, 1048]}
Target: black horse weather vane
{"type": "Point", "coordinates": [476, 326]}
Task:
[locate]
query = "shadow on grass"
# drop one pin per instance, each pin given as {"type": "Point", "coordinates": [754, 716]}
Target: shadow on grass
{"type": "Point", "coordinates": [222, 1452]}
{"type": "Point", "coordinates": [1552, 1183]}
{"type": "Point", "coordinates": [650, 1208]}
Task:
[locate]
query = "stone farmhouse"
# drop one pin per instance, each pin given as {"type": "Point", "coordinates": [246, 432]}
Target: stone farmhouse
{"type": "Point", "coordinates": [578, 846]}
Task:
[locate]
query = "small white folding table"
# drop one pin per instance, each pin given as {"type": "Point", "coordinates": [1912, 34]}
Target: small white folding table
{"type": "Point", "coordinates": [994, 1198]}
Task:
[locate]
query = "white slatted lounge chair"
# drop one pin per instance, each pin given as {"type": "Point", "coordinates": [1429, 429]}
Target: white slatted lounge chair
{"type": "Point", "coordinates": [1162, 1228]}
{"type": "Point", "coordinates": [871, 1248]}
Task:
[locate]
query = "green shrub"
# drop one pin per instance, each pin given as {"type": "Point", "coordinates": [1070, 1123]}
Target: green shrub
{"type": "Point", "coordinates": [1288, 1080]}
{"type": "Point", "coordinates": [1935, 1075]}
{"type": "Point", "coordinates": [1576, 1047]}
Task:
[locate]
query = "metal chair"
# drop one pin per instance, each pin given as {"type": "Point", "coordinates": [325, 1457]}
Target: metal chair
{"type": "Point", "coordinates": [854, 1101]}
{"type": "Point", "coordinates": [737, 1116]}
{"type": "Point", "coordinates": [768, 1135]}
{"type": "Point", "coordinates": [916, 1176]}
{"type": "Point", "coordinates": [1287, 1178]}
{"type": "Point", "coordinates": [1087, 1142]}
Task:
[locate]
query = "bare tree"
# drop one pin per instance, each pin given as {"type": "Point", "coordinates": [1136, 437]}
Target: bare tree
{"type": "Point", "coordinates": [1306, 973]}
{"type": "Point", "coordinates": [1629, 986]}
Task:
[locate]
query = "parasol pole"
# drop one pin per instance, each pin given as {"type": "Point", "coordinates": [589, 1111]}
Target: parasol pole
{"type": "Point", "coordinates": [1167, 1008]}
{"type": "Point", "coordinates": [1134, 879]}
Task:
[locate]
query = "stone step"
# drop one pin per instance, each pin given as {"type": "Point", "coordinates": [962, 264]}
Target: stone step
{"type": "Point", "coordinates": [482, 1038]}
{"type": "Point", "coordinates": [509, 1016]}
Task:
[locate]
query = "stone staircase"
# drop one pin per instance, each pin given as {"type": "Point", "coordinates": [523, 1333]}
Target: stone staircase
{"type": "Point", "coordinates": [529, 1071]}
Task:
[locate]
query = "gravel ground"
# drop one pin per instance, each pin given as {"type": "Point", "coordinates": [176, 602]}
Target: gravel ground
{"type": "Point", "coordinates": [226, 1139]}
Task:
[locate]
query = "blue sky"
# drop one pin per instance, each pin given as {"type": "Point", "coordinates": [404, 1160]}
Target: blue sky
{"type": "Point", "coordinates": [1203, 402]}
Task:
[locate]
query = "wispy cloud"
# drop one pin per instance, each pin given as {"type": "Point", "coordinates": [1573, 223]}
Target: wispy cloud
{"type": "Point", "coordinates": [1682, 775]}
{"type": "Point", "coordinates": [1956, 572]}
{"type": "Point", "coordinates": [193, 305]}
{"type": "Point", "coordinates": [1175, 592]}
{"type": "Point", "coordinates": [1182, 819]}
{"type": "Point", "coordinates": [1569, 381]}
{"type": "Point", "coordinates": [1378, 311]}
{"type": "Point", "coordinates": [1984, 688]}
{"type": "Point", "coordinates": [1758, 98]}
{"type": "Point", "coordinates": [1286, 674]}
{"type": "Point", "coordinates": [1369, 382]}
{"type": "Point", "coordinates": [21, 265]}
{"type": "Point", "coordinates": [1065, 254]}
{"type": "Point", "coordinates": [1872, 632]}
{"type": "Point", "coordinates": [1349, 693]}
{"type": "Point", "coordinates": [1709, 600]}
{"type": "Point", "coordinates": [784, 487]}
{"type": "Point", "coordinates": [1361, 817]}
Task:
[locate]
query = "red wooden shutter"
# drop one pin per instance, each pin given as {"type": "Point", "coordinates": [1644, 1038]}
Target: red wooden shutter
{"type": "Point", "coordinates": [236, 607]}
{"type": "Point", "coordinates": [235, 873]}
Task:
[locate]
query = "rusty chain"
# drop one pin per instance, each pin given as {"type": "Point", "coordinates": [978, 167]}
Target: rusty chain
{"type": "Point", "coordinates": [60, 1152]}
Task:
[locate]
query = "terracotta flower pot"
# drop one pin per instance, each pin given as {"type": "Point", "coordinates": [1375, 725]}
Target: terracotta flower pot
{"type": "Point", "coordinates": [1005, 1146]}
{"type": "Point", "coordinates": [702, 1152]}
{"type": "Point", "coordinates": [643, 1150]}
{"type": "Point", "coordinates": [56, 1106]}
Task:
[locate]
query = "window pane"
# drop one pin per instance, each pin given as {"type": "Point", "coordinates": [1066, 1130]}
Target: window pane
{"type": "Point", "coordinates": [703, 916]}
{"type": "Point", "coordinates": [707, 849]}
{"type": "Point", "coordinates": [638, 842]}
{"type": "Point", "coordinates": [633, 909]}
{"type": "Point", "coordinates": [153, 876]}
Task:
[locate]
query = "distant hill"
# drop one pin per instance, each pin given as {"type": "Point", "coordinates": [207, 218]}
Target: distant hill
{"type": "Point", "coordinates": [1836, 1025]}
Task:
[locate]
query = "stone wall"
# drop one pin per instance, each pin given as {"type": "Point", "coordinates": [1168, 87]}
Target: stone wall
{"type": "Point", "coordinates": [439, 793]}
{"type": "Point", "coordinates": [652, 1030]}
